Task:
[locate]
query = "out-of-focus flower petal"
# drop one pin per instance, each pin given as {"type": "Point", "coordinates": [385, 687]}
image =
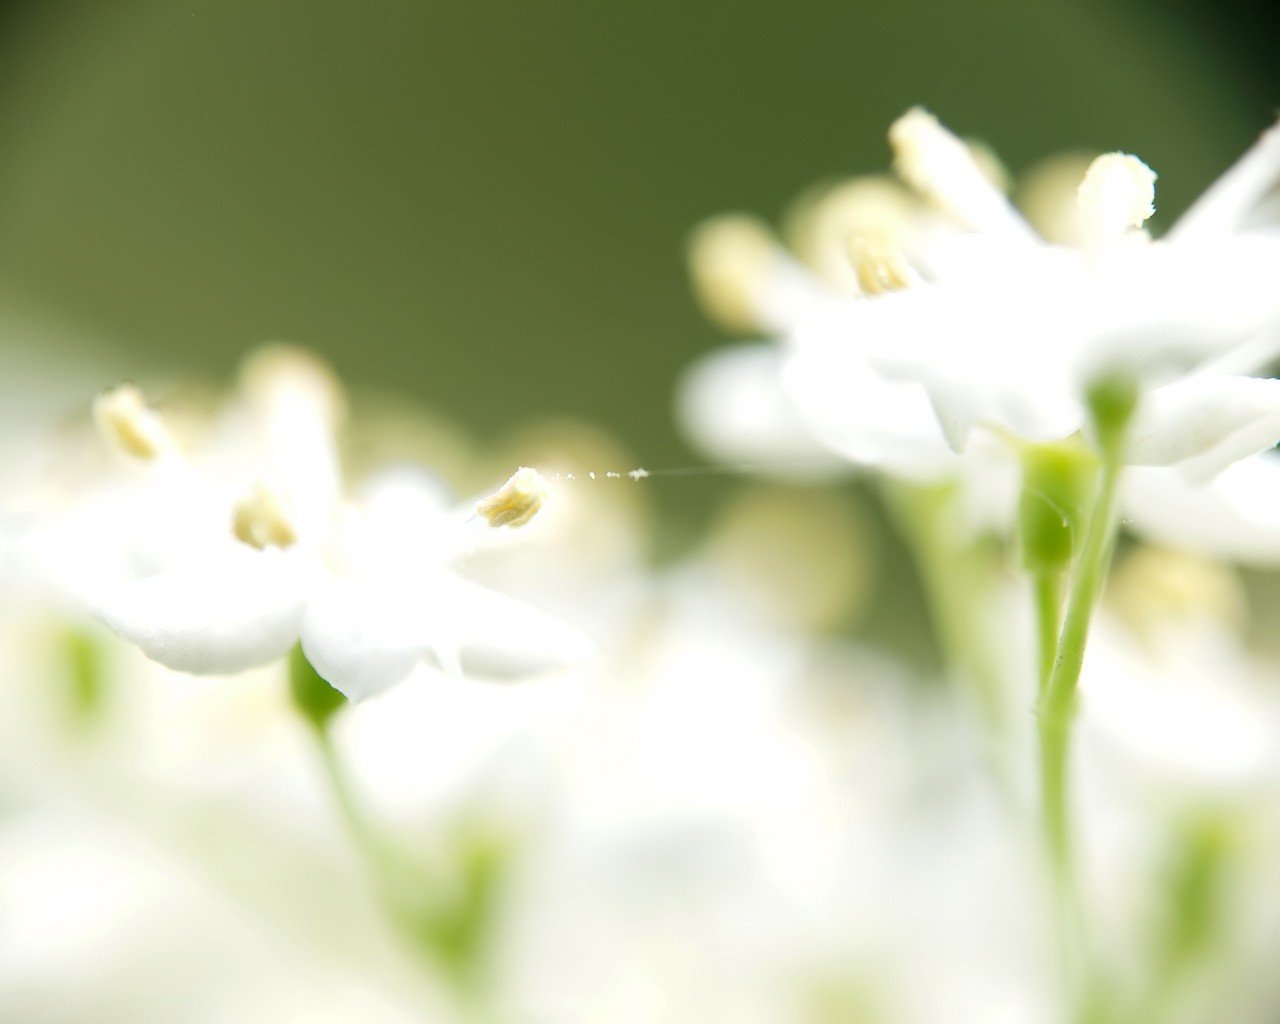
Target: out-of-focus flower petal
{"type": "Point", "coordinates": [733, 405]}
{"type": "Point", "coordinates": [212, 618]}
{"type": "Point", "coordinates": [364, 635]}
{"type": "Point", "coordinates": [494, 636]}
{"type": "Point", "coordinates": [1166, 307]}
{"type": "Point", "coordinates": [1206, 423]}
{"type": "Point", "coordinates": [1189, 716]}
{"type": "Point", "coordinates": [1236, 516]}
{"type": "Point", "coordinates": [1225, 205]}
{"type": "Point", "coordinates": [359, 635]}
{"type": "Point", "coordinates": [864, 417]}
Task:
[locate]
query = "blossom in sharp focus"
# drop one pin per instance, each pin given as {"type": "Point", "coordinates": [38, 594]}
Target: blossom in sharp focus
{"type": "Point", "coordinates": [1010, 331]}
{"type": "Point", "coordinates": [911, 314]}
{"type": "Point", "coordinates": [273, 553]}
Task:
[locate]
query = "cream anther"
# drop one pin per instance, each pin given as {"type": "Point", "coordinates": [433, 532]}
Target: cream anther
{"type": "Point", "coordinates": [259, 520]}
{"type": "Point", "coordinates": [515, 502]}
{"type": "Point", "coordinates": [945, 169]}
{"type": "Point", "coordinates": [730, 258]}
{"type": "Point", "coordinates": [822, 223]}
{"type": "Point", "coordinates": [880, 267]}
{"type": "Point", "coordinates": [130, 425]}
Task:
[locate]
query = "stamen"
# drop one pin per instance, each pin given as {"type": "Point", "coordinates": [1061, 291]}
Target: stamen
{"type": "Point", "coordinates": [944, 168]}
{"type": "Point", "coordinates": [130, 425]}
{"type": "Point", "coordinates": [515, 502]}
{"type": "Point", "coordinates": [1118, 193]}
{"type": "Point", "coordinates": [730, 258]}
{"type": "Point", "coordinates": [820, 225]}
{"type": "Point", "coordinates": [259, 520]}
{"type": "Point", "coordinates": [880, 266]}
{"type": "Point", "coordinates": [280, 374]}
{"type": "Point", "coordinates": [1048, 196]}
{"type": "Point", "coordinates": [989, 163]}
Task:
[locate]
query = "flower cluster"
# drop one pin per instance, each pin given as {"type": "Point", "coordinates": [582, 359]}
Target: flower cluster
{"type": "Point", "coordinates": [922, 327]}
{"type": "Point", "coordinates": [984, 735]}
{"type": "Point", "coordinates": [222, 558]}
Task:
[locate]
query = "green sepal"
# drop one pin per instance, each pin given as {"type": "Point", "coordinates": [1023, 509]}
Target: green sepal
{"type": "Point", "coordinates": [315, 698]}
{"type": "Point", "coordinates": [1057, 488]}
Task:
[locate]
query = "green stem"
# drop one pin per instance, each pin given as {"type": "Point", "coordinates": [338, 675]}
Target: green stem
{"type": "Point", "coordinates": [953, 572]}
{"type": "Point", "coordinates": [372, 849]}
{"type": "Point", "coordinates": [1060, 680]}
{"type": "Point", "coordinates": [1048, 598]}
{"type": "Point", "coordinates": [1058, 703]}
{"type": "Point", "coordinates": [394, 880]}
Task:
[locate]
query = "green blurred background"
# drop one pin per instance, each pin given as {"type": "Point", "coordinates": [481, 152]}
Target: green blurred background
{"type": "Point", "coordinates": [482, 205]}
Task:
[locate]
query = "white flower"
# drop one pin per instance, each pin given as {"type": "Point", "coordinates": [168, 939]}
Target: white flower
{"type": "Point", "coordinates": [952, 313]}
{"type": "Point", "coordinates": [1010, 331]}
{"type": "Point", "coordinates": [1236, 516]}
{"type": "Point", "coordinates": [273, 554]}
{"type": "Point", "coordinates": [1168, 686]}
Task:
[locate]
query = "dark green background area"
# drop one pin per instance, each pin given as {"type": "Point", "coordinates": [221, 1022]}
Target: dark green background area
{"type": "Point", "coordinates": [482, 205]}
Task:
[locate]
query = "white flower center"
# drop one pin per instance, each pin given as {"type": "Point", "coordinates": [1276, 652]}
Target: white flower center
{"type": "Point", "coordinates": [259, 520]}
{"type": "Point", "coordinates": [130, 425]}
{"type": "Point", "coordinates": [515, 502]}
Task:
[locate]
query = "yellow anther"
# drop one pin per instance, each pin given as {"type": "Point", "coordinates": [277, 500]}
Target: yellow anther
{"type": "Point", "coordinates": [129, 424]}
{"type": "Point", "coordinates": [880, 267]}
{"type": "Point", "coordinates": [515, 502]}
{"type": "Point", "coordinates": [822, 222]}
{"type": "Point", "coordinates": [259, 520]}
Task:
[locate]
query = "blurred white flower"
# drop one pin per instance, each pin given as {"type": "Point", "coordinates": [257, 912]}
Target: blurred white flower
{"type": "Point", "coordinates": [215, 569]}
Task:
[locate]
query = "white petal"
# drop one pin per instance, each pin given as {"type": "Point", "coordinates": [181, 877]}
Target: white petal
{"type": "Point", "coordinates": [1188, 713]}
{"type": "Point", "coordinates": [864, 417]}
{"type": "Point", "coordinates": [1237, 516]}
{"type": "Point", "coordinates": [988, 352]}
{"type": "Point", "coordinates": [402, 520]}
{"type": "Point", "coordinates": [1164, 308]}
{"type": "Point", "coordinates": [942, 167]}
{"type": "Point", "coordinates": [1206, 423]}
{"type": "Point", "coordinates": [788, 294]}
{"type": "Point", "coordinates": [1227, 202]}
{"type": "Point", "coordinates": [365, 635]}
{"type": "Point", "coordinates": [212, 618]}
{"type": "Point", "coordinates": [496, 636]}
{"type": "Point", "coordinates": [733, 405]}
{"type": "Point", "coordinates": [357, 636]}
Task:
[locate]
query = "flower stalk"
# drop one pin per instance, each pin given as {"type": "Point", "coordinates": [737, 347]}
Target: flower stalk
{"type": "Point", "coordinates": [1111, 406]}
